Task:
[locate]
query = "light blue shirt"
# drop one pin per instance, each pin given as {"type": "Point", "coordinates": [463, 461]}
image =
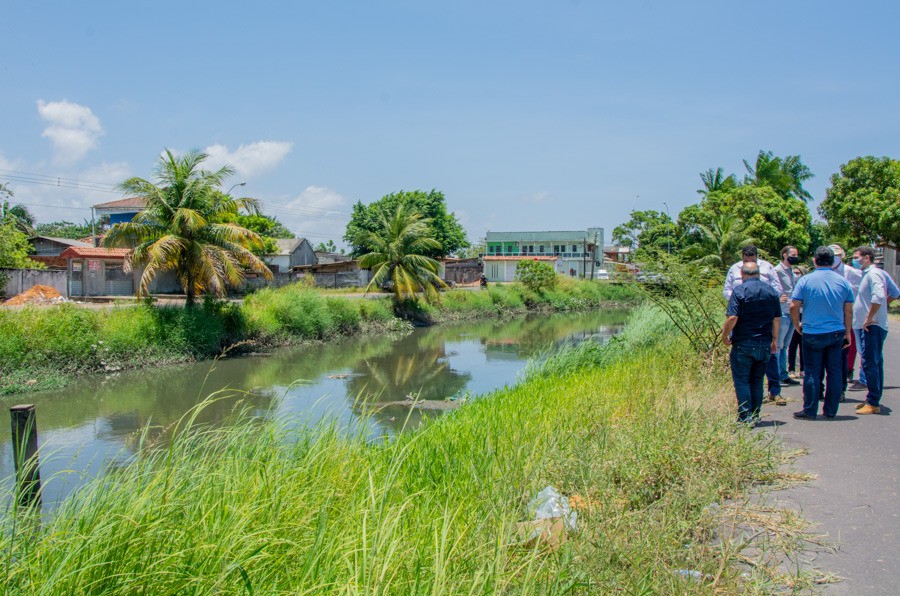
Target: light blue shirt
{"type": "Point", "coordinates": [823, 294]}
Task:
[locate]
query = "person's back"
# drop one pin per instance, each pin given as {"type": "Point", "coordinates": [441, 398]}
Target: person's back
{"type": "Point", "coordinates": [823, 293]}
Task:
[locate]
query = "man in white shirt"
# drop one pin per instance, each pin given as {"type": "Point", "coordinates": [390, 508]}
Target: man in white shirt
{"type": "Point", "coordinates": [767, 274]}
{"type": "Point", "coordinates": [853, 277]}
{"type": "Point", "coordinates": [870, 316]}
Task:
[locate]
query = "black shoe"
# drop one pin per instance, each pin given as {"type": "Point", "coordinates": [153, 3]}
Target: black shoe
{"type": "Point", "coordinates": [789, 381]}
{"type": "Point", "coordinates": [801, 415]}
{"type": "Point", "coordinates": [829, 417]}
{"type": "Point", "coordinates": [857, 386]}
{"type": "Point", "coordinates": [843, 398]}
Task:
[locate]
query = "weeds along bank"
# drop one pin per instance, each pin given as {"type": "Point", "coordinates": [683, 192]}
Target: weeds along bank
{"type": "Point", "coordinates": [43, 347]}
{"type": "Point", "coordinates": [635, 429]}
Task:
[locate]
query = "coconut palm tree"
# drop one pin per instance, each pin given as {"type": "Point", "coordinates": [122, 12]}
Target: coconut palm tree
{"type": "Point", "coordinates": [180, 228]}
{"type": "Point", "coordinates": [398, 244]}
{"type": "Point", "coordinates": [716, 181]}
{"type": "Point", "coordinates": [723, 238]}
{"type": "Point", "coordinates": [786, 176]}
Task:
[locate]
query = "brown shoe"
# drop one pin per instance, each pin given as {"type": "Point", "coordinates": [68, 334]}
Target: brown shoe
{"type": "Point", "coordinates": [780, 401]}
{"type": "Point", "coordinates": [869, 409]}
{"type": "Point", "coordinates": [860, 406]}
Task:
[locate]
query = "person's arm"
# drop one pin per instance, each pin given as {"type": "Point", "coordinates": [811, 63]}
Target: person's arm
{"type": "Point", "coordinates": [795, 315]}
{"type": "Point", "coordinates": [772, 277]}
{"type": "Point", "coordinates": [848, 322]}
{"type": "Point", "coordinates": [776, 326]}
{"type": "Point", "coordinates": [893, 292]}
{"type": "Point", "coordinates": [728, 290]}
{"type": "Point", "coordinates": [727, 328]}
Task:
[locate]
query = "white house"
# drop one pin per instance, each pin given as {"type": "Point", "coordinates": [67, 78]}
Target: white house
{"type": "Point", "coordinates": [292, 252]}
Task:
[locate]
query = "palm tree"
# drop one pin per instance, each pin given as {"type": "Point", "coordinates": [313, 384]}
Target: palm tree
{"type": "Point", "coordinates": [180, 228]}
{"type": "Point", "coordinates": [785, 176]}
{"type": "Point", "coordinates": [723, 238]}
{"type": "Point", "coordinates": [396, 255]}
{"type": "Point", "coordinates": [20, 216]}
{"type": "Point", "coordinates": [716, 181]}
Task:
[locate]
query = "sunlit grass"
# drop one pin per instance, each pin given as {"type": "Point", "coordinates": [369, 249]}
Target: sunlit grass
{"type": "Point", "coordinates": [644, 437]}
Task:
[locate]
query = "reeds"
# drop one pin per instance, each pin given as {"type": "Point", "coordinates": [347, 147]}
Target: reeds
{"type": "Point", "coordinates": [644, 439]}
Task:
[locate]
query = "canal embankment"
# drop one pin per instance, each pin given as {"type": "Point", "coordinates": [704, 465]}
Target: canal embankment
{"type": "Point", "coordinates": [640, 430]}
{"type": "Point", "coordinates": [46, 347]}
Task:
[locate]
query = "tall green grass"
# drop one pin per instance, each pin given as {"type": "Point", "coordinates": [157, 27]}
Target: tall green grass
{"type": "Point", "coordinates": [647, 442]}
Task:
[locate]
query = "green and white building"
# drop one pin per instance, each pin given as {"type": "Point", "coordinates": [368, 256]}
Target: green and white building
{"type": "Point", "coordinates": [575, 253]}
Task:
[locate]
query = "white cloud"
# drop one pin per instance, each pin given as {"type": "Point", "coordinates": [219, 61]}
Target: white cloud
{"type": "Point", "coordinates": [107, 173]}
{"type": "Point", "coordinates": [72, 128]}
{"type": "Point", "coordinates": [248, 160]}
{"type": "Point", "coordinates": [318, 213]}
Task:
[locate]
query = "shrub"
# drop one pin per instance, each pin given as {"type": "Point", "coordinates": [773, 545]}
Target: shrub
{"type": "Point", "coordinates": [344, 313]}
{"type": "Point", "coordinates": [536, 275]}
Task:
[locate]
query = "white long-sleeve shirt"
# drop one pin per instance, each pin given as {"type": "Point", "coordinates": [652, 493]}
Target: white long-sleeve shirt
{"type": "Point", "coordinates": [766, 273]}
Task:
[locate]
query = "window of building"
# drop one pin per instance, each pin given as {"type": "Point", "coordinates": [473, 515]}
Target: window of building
{"type": "Point", "coordinates": [574, 248]}
{"type": "Point", "coordinates": [541, 248]}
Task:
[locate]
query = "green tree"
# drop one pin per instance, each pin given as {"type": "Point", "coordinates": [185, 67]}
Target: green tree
{"type": "Point", "coordinates": [67, 229]}
{"type": "Point", "coordinates": [446, 230]}
{"type": "Point", "coordinates": [474, 250]}
{"type": "Point", "coordinates": [536, 275]}
{"type": "Point", "coordinates": [22, 218]}
{"type": "Point", "coordinates": [329, 246]}
{"type": "Point", "coordinates": [863, 202]}
{"type": "Point", "coordinates": [785, 176]}
{"type": "Point", "coordinates": [716, 181]}
{"type": "Point", "coordinates": [400, 245]}
{"type": "Point", "coordinates": [14, 246]}
{"type": "Point", "coordinates": [721, 241]}
{"type": "Point", "coordinates": [179, 228]}
{"type": "Point", "coordinates": [649, 231]}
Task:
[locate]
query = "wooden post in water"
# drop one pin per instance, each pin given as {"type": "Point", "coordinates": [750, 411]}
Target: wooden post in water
{"type": "Point", "coordinates": [25, 454]}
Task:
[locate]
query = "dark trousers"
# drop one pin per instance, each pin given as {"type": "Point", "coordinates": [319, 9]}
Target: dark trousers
{"type": "Point", "coordinates": [873, 361]}
{"type": "Point", "coordinates": [793, 350]}
{"type": "Point", "coordinates": [773, 375]}
{"type": "Point", "coordinates": [748, 368]}
{"type": "Point", "coordinates": [822, 355]}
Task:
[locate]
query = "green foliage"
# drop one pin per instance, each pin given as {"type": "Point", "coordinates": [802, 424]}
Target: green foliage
{"type": "Point", "coordinates": [717, 181]}
{"type": "Point", "coordinates": [179, 228]}
{"type": "Point", "coordinates": [14, 246]}
{"type": "Point", "coordinates": [862, 205]}
{"type": "Point", "coordinates": [447, 231]}
{"type": "Point", "coordinates": [474, 250]}
{"type": "Point", "coordinates": [20, 216]}
{"type": "Point", "coordinates": [783, 175]}
{"type": "Point", "coordinates": [265, 507]}
{"type": "Point", "coordinates": [329, 246]}
{"type": "Point", "coordinates": [537, 276]}
{"type": "Point", "coordinates": [649, 231]}
{"type": "Point", "coordinates": [67, 229]}
{"type": "Point", "coordinates": [719, 241]}
{"type": "Point", "coordinates": [399, 247]}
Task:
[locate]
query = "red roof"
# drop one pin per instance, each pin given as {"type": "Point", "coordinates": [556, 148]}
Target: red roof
{"type": "Point", "coordinates": [518, 258]}
{"type": "Point", "coordinates": [132, 202]}
{"type": "Point", "coordinates": [76, 252]}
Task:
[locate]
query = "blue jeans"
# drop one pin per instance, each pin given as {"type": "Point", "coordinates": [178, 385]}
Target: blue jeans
{"type": "Point", "coordinates": [862, 371]}
{"type": "Point", "coordinates": [785, 332]}
{"type": "Point", "coordinates": [822, 354]}
{"type": "Point", "coordinates": [748, 368]}
{"type": "Point", "coordinates": [873, 361]}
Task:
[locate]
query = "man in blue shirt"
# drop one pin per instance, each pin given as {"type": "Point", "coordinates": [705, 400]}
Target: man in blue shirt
{"type": "Point", "coordinates": [827, 301]}
{"type": "Point", "coordinates": [754, 316]}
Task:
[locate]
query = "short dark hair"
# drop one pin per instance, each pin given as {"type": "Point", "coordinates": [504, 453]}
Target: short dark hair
{"type": "Point", "coordinates": [824, 257]}
{"type": "Point", "coordinates": [786, 249]}
{"type": "Point", "coordinates": [866, 251]}
{"type": "Point", "coordinates": [749, 251]}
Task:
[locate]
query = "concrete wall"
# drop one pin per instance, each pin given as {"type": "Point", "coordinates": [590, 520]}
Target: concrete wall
{"type": "Point", "coordinates": [343, 279]}
{"type": "Point", "coordinates": [20, 280]}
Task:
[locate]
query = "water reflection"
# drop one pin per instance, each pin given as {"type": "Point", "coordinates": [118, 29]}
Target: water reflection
{"type": "Point", "coordinates": [88, 424]}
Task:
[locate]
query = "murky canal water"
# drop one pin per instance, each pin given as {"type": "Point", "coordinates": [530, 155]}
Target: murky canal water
{"type": "Point", "coordinates": [92, 422]}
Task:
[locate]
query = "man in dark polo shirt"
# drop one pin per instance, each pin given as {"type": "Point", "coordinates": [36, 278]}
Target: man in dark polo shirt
{"type": "Point", "coordinates": [751, 329]}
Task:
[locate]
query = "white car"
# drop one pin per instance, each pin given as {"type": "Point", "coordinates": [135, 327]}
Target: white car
{"type": "Point", "coordinates": [602, 274]}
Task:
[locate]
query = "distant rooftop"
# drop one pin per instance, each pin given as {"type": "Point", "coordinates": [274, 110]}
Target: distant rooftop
{"type": "Point", "coordinates": [129, 203]}
{"type": "Point", "coordinates": [549, 236]}
{"type": "Point", "coordinates": [287, 245]}
{"type": "Point", "coordinates": [76, 252]}
{"type": "Point", "coordinates": [66, 241]}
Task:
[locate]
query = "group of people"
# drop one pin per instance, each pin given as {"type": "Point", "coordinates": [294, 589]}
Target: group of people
{"type": "Point", "coordinates": [838, 309]}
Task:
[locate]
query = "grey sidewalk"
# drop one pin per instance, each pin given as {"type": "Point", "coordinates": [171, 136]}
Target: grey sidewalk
{"type": "Point", "coordinates": [854, 498]}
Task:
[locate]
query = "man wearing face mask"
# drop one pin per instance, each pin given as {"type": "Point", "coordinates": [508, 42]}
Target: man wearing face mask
{"type": "Point", "coordinates": [870, 317]}
{"type": "Point", "coordinates": [853, 277]}
{"type": "Point", "coordinates": [790, 256]}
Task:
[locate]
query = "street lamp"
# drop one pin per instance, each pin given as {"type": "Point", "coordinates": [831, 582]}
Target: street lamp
{"type": "Point", "coordinates": [668, 231]}
{"type": "Point", "coordinates": [236, 185]}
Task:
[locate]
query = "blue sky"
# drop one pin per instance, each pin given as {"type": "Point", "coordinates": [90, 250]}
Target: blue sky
{"type": "Point", "coordinates": [527, 115]}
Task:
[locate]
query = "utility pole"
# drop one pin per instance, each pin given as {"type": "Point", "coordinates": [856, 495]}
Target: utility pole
{"type": "Point", "coordinates": [668, 230]}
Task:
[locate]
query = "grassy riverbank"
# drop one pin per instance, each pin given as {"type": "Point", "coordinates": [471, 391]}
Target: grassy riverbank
{"type": "Point", "coordinates": [636, 429]}
{"type": "Point", "coordinates": [44, 347]}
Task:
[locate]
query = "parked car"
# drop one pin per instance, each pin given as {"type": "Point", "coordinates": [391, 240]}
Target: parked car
{"type": "Point", "coordinates": [603, 274]}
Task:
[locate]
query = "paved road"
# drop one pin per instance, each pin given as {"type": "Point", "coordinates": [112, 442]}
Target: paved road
{"type": "Point", "coordinates": [855, 497]}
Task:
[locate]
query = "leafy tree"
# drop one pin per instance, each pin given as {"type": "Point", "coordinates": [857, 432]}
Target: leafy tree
{"type": "Point", "coordinates": [716, 181]}
{"type": "Point", "coordinates": [536, 275]}
{"type": "Point", "coordinates": [650, 231]}
{"type": "Point", "coordinates": [67, 229]}
{"type": "Point", "coordinates": [785, 176]}
{"type": "Point", "coordinates": [863, 202]}
{"type": "Point", "coordinates": [14, 246]}
{"type": "Point", "coordinates": [329, 246]}
{"type": "Point", "coordinates": [446, 230]}
{"type": "Point", "coordinates": [179, 229]}
{"type": "Point", "coordinates": [473, 250]}
{"type": "Point", "coordinates": [400, 245]}
{"type": "Point", "coordinates": [21, 217]}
